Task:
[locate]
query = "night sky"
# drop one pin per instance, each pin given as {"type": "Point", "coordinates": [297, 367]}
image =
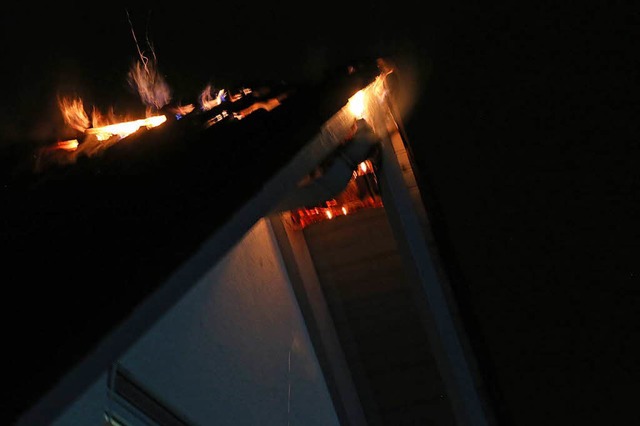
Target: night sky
{"type": "Point", "coordinates": [524, 130]}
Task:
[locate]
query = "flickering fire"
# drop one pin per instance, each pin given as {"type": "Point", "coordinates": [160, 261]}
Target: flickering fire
{"type": "Point", "coordinates": [99, 130]}
{"type": "Point", "coordinates": [357, 104]}
{"type": "Point", "coordinates": [101, 125]}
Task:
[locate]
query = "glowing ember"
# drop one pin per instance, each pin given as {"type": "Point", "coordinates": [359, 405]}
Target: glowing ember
{"type": "Point", "coordinates": [240, 95]}
{"type": "Point", "coordinates": [217, 118]}
{"type": "Point", "coordinates": [267, 105]}
{"type": "Point", "coordinates": [68, 145]}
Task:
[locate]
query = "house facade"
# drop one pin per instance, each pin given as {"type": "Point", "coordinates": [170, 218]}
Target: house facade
{"type": "Point", "coordinates": [319, 301]}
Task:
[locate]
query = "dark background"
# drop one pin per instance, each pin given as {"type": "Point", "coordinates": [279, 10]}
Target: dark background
{"type": "Point", "coordinates": [523, 125]}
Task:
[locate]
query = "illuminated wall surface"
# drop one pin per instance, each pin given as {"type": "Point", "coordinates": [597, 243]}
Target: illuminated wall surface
{"type": "Point", "coordinates": [233, 351]}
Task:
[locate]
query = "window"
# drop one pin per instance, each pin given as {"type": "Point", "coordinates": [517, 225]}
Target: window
{"type": "Point", "coordinates": [130, 404]}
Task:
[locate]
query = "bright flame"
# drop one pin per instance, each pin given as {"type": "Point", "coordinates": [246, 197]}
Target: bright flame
{"type": "Point", "coordinates": [153, 91]}
{"type": "Point", "coordinates": [356, 104]}
{"type": "Point", "coordinates": [329, 214]}
{"type": "Point", "coordinates": [126, 128]}
{"type": "Point", "coordinates": [344, 210]}
{"type": "Point", "coordinates": [361, 104]}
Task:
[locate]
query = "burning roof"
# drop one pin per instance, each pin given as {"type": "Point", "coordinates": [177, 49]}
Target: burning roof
{"type": "Point", "coordinates": [93, 227]}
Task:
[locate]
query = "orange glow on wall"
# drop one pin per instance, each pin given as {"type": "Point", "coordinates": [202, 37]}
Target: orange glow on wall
{"type": "Point", "coordinates": [361, 192]}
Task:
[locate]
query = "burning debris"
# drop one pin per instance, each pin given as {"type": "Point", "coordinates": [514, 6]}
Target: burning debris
{"type": "Point", "coordinates": [98, 131]}
{"type": "Point", "coordinates": [355, 187]}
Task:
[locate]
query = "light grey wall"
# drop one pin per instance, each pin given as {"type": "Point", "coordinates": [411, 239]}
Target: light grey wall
{"type": "Point", "coordinates": [234, 351]}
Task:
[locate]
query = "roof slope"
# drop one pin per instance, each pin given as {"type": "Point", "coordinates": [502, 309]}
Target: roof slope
{"type": "Point", "coordinates": [85, 244]}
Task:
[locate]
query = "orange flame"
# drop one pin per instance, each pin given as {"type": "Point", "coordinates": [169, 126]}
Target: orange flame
{"type": "Point", "coordinates": [73, 113]}
{"type": "Point", "coordinates": [267, 105]}
{"type": "Point", "coordinates": [68, 145]}
{"type": "Point", "coordinates": [207, 100]}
